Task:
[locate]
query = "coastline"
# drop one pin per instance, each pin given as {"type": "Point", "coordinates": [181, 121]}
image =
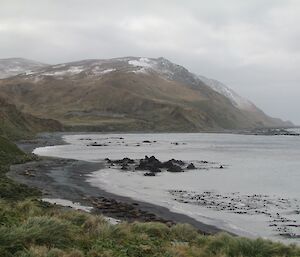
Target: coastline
{"type": "Point", "coordinates": [66, 179]}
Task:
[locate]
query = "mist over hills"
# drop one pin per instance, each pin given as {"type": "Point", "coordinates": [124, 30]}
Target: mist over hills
{"type": "Point", "coordinates": [14, 66]}
{"type": "Point", "coordinates": [130, 94]}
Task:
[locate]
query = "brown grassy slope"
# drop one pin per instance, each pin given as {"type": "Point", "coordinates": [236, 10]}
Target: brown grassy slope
{"type": "Point", "coordinates": [138, 101]}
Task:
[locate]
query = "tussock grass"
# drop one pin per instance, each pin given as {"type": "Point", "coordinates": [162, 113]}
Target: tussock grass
{"type": "Point", "coordinates": [183, 232]}
{"type": "Point", "coordinates": [32, 229]}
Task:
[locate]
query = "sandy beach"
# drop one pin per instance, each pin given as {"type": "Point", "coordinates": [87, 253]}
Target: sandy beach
{"type": "Point", "coordinates": [66, 179]}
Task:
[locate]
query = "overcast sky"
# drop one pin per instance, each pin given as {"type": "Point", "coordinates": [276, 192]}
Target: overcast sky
{"type": "Point", "coordinates": [253, 46]}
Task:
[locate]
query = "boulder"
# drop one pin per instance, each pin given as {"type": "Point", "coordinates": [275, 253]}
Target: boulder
{"type": "Point", "coordinates": [149, 174]}
{"type": "Point", "coordinates": [179, 162]}
{"type": "Point", "coordinates": [124, 161]}
{"type": "Point", "coordinates": [191, 166]}
{"type": "Point", "coordinates": [151, 164]}
{"type": "Point", "coordinates": [154, 169]}
{"type": "Point", "coordinates": [175, 168]}
{"type": "Point", "coordinates": [170, 163]}
{"type": "Point", "coordinates": [167, 164]}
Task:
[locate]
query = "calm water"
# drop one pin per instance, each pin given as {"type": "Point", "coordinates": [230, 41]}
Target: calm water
{"type": "Point", "coordinates": [256, 194]}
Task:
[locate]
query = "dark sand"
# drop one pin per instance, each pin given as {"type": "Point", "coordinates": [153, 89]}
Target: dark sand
{"type": "Point", "coordinates": [66, 179]}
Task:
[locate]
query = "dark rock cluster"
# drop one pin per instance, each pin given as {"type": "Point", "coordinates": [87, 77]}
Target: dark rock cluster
{"type": "Point", "coordinates": [151, 164]}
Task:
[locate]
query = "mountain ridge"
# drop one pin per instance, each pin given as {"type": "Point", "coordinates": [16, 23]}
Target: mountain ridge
{"type": "Point", "coordinates": [14, 66]}
{"type": "Point", "coordinates": [129, 93]}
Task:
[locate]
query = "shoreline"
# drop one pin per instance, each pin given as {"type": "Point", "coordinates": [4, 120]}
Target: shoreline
{"type": "Point", "coordinates": [66, 179]}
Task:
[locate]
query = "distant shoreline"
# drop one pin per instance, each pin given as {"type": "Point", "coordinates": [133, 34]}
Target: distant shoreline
{"type": "Point", "coordinates": [55, 138]}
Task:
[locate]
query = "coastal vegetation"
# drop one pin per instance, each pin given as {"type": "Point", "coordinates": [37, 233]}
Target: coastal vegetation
{"type": "Point", "coordinates": [31, 228]}
{"type": "Point", "coordinates": [34, 229]}
{"type": "Point", "coordinates": [11, 154]}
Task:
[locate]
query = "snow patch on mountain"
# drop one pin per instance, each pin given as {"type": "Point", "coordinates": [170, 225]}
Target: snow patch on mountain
{"type": "Point", "coordinates": [70, 71]}
{"type": "Point", "coordinates": [142, 62]}
{"type": "Point", "coordinates": [61, 71]}
{"type": "Point", "coordinates": [98, 71]}
{"type": "Point", "coordinates": [171, 71]}
{"type": "Point", "coordinates": [59, 66]}
{"type": "Point", "coordinates": [236, 100]}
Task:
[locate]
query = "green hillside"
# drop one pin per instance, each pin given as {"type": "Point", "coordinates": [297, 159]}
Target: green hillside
{"type": "Point", "coordinates": [10, 154]}
{"type": "Point", "coordinates": [15, 124]}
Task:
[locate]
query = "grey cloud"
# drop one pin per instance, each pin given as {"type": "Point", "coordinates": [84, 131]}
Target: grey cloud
{"type": "Point", "coordinates": [251, 45]}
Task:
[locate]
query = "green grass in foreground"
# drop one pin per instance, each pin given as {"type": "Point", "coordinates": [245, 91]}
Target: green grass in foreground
{"type": "Point", "coordinates": [29, 228]}
{"type": "Point", "coordinates": [33, 229]}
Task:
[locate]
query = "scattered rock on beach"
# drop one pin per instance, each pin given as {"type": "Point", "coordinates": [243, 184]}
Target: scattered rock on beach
{"type": "Point", "coordinates": [97, 144]}
{"type": "Point", "coordinates": [290, 235]}
{"type": "Point", "coordinates": [28, 173]}
{"type": "Point", "coordinates": [283, 222]}
{"type": "Point", "coordinates": [125, 211]}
